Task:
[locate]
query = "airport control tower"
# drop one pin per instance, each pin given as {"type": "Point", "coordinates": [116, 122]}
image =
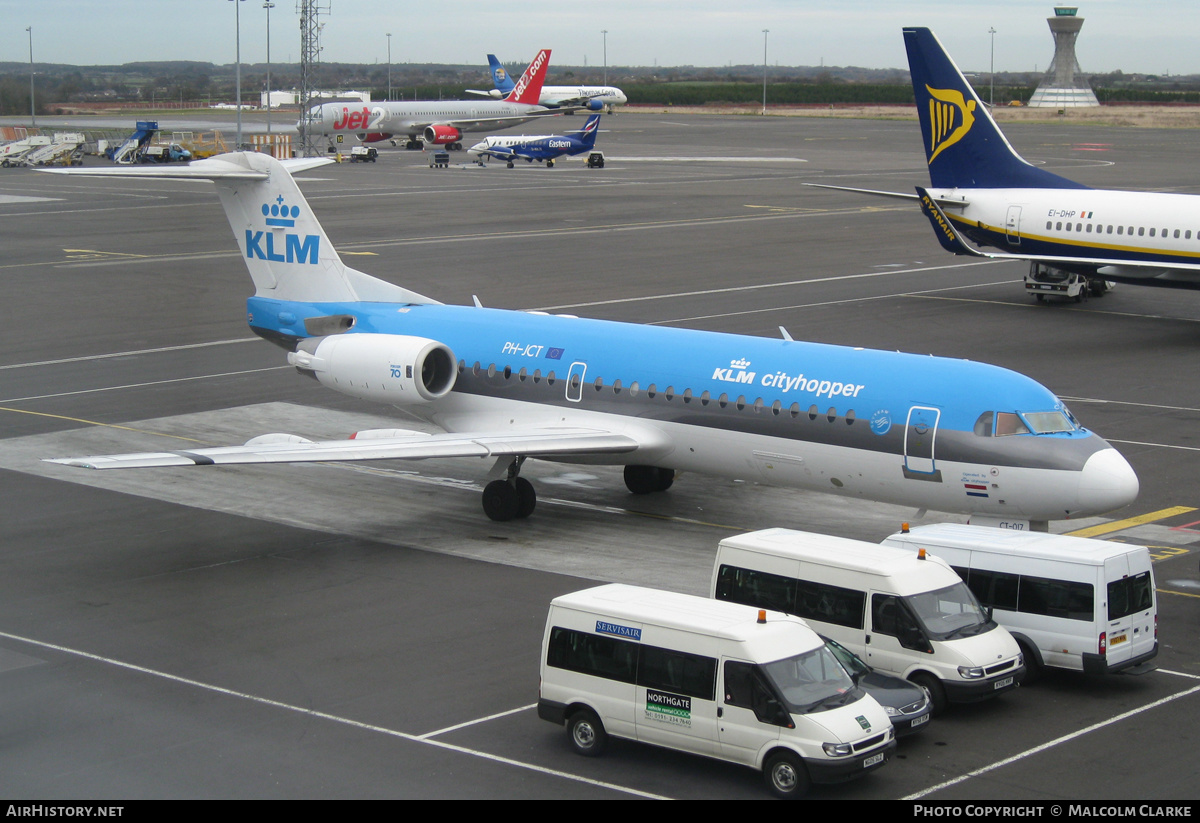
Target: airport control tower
{"type": "Point", "coordinates": [1064, 85]}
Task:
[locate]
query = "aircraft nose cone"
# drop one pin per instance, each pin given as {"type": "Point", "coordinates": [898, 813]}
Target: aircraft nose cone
{"type": "Point", "coordinates": [1108, 482]}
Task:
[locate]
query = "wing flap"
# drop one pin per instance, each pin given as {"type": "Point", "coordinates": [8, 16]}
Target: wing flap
{"type": "Point", "coordinates": [416, 446]}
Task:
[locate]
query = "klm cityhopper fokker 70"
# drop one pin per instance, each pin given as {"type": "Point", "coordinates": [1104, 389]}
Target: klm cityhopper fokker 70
{"type": "Point", "coordinates": [927, 432]}
{"type": "Point", "coordinates": [982, 191]}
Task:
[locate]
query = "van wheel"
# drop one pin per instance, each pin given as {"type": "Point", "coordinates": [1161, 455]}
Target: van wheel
{"type": "Point", "coordinates": [937, 694]}
{"type": "Point", "coordinates": [1033, 669]}
{"type": "Point", "coordinates": [786, 776]}
{"type": "Point", "coordinates": [587, 734]}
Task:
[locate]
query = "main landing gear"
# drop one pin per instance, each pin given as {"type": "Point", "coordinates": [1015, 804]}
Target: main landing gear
{"type": "Point", "coordinates": [513, 497]}
{"type": "Point", "coordinates": [648, 479]}
{"type": "Point", "coordinates": [510, 498]}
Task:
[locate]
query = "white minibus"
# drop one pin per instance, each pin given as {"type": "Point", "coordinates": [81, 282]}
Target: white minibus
{"type": "Point", "coordinates": [1070, 602]}
{"type": "Point", "coordinates": [904, 613]}
{"type": "Point", "coordinates": [727, 681]}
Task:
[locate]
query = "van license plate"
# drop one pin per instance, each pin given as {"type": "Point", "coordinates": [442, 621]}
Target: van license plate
{"type": "Point", "coordinates": [1000, 684]}
{"type": "Point", "coordinates": [1117, 638]}
{"type": "Point", "coordinates": [920, 720]}
{"type": "Point", "coordinates": [873, 760]}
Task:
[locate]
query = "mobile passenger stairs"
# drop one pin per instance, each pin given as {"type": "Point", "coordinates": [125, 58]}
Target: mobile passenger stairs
{"type": "Point", "coordinates": [14, 153]}
{"type": "Point", "coordinates": [131, 150]}
{"type": "Point", "coordinates": [66, 149]}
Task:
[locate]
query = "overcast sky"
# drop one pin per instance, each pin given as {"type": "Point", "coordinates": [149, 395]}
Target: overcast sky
{"type": "Point", "coordinates": [1156, 36]}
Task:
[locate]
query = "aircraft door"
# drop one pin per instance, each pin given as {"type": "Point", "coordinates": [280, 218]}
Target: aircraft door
{"type": "Point", "coordinates": [920, 434]}
{"type": "Point", "coordinates": [1012, 225]}
{"type": "Point", "coordinates": [575, 381]}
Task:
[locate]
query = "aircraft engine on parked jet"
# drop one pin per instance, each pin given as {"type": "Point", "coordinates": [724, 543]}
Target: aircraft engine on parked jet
{"type": "Point", "coordinates": [387, 368]}
{"type": "Point", "coordinates": [441, 135]}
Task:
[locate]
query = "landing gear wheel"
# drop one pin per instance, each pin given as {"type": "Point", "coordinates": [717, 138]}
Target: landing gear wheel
{"type": "Point", "coordinates": [526, 497]}
{"type": "Point", "coordinates": [937, 694]}
{"type": "Point", "coordinates": [586, 733]}
{"type": "Point", "coordinates": [648, 479]}
{"type": "Point", "coordinates": [501, 502]}
{"type": "Point", "coordinates": [549, 164]}
{"type": "Point", "coordinates": [510, 164]}
{"type": "Point", "coordinates": [786, 776]}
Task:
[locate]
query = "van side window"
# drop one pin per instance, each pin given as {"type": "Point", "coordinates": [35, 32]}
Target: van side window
{"type": "Point", "coordinates": [1056, 598]}
{"type": "Point", "coordinates": [996, 590]}
{"type": "Point", "coordinates": [889, 616]}
{"type": "Point", "coordinates": [754, 588]}
{"type": "Point", "coordinates": [689, 674]}
{"type": "Point", "coordinates": [831, 604]}
{"type": "Point", "coordinates": [592, 654]}
{"type": "Point", "coordinates": [745, 688]}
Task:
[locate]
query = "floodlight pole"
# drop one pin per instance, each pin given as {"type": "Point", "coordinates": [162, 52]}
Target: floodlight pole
{"type": "Point", "coordinates": [32, 105]}
{"type": "Point", "coordinates": [992, 72]}
{"type": "Point", "coordinates": [765, 32]}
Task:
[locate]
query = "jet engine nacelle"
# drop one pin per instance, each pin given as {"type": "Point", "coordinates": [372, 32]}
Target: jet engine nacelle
{"type": "Point", "coordinates": [595, 104]}
{"type": "Point", "coordinates": [441, 135]}
{"type": "Point", "coordinates": [376, 136]}
{"type": "Point", "coordinates": [386, 368]}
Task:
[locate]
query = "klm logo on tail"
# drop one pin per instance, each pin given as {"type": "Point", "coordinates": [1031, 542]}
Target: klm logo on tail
{"type": "Point", "coordinates": [951, 116]}
{"type": "Point", "coordinates": [296, 248]}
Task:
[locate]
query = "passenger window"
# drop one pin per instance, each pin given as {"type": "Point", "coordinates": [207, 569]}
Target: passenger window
{"type": "Point", "coordinates": [693, 675]}
{"type": "Point", "coordinates": [850, 417]}
{"type": "Point", "coordinates": [830, 604]}
{"type": "Point", "coordinates": [831, 415]}
{"type": "Point", "coordinates": [1056, 598]}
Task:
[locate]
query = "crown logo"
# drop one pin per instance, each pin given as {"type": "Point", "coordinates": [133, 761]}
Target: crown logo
{"type": "Point", "coordinates": [279, 214]}
{"type": "Point", "coordinates": [738, 364]}
{"type": "Point", "coordinates": [950, 118]}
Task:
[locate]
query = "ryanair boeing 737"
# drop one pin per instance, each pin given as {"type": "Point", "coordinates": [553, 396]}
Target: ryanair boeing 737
{"type": "Point", "coordinates": [506, 386]}
{"type": "Point", "coordinates": [982, 192]}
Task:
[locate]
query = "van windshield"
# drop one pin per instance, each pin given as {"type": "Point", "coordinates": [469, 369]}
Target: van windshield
{"type": "Point", "coordinates": [949, 613]}
{"type": "Point", "coordinates": [812, 682]}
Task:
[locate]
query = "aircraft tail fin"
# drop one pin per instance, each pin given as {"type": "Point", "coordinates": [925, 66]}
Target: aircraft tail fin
{"type": "Point", "coordinates": [283, 245]}
{"type": "Point", "coordinates": [963, 145]}
{"type": "Point", "coordinates": [589, 131]}
{"type": "Point", "coordinates": [500, 78]}
{"type": "Point", "coordinates": [528, 89]}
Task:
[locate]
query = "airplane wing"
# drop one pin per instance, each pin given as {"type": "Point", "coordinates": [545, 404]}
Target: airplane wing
{"type": "Point", "coordinates": [376, 445]}
{"type": "Point", "coordinates": [955, 243]}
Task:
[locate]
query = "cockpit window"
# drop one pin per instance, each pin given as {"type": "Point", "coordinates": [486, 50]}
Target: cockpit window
{"type": "Point", "coordinates": [1049, 422]}
{"type": "Point", "coordinates": [1008, 423]}
{"type": "Point", "coordinates": [983, 426]}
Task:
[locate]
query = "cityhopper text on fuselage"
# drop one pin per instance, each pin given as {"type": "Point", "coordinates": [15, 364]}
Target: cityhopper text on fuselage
{"type": "Point", "coordinates": [434, 122]}
{"type": "Point", "coordinates": [982, 193]}
{"type": "Point", "coordinates": [506, 386]}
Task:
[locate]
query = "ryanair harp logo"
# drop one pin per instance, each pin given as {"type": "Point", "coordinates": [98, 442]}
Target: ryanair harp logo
{"type": "Point", "coordinates": [950, 118]}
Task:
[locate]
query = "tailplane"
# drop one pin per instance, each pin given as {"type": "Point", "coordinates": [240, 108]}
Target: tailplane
{"type": "Point", "coordinates": [963, 145]}
{"type": "Point", "coordinates": [528, 89]}
{"type": "Point", "coordinates": [283, 245]}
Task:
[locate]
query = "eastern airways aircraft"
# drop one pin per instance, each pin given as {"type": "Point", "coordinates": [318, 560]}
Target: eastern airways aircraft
{"type": "Point", "coordinates": [984, 193]}
{"type": "Point", "coordinates": [505, 386]}
{"type": "Point", "coordinates": [437, 122]}
{"type": "Point", "coordinates": [543, 148]}
{"type": "Point", "coordinates": [594, 98]}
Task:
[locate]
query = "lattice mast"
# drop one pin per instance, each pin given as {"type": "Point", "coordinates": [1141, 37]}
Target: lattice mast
{"type": "Point", "coordinates": [310, 57]}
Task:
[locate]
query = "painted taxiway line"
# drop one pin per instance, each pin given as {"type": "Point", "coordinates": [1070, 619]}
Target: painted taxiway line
{"type": "Point", "coordinates": [333, 718]}
{"type": "Point", "coordinates": [1130, 522]}
{"type": "Point", "coordinates": [1066, 738]}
